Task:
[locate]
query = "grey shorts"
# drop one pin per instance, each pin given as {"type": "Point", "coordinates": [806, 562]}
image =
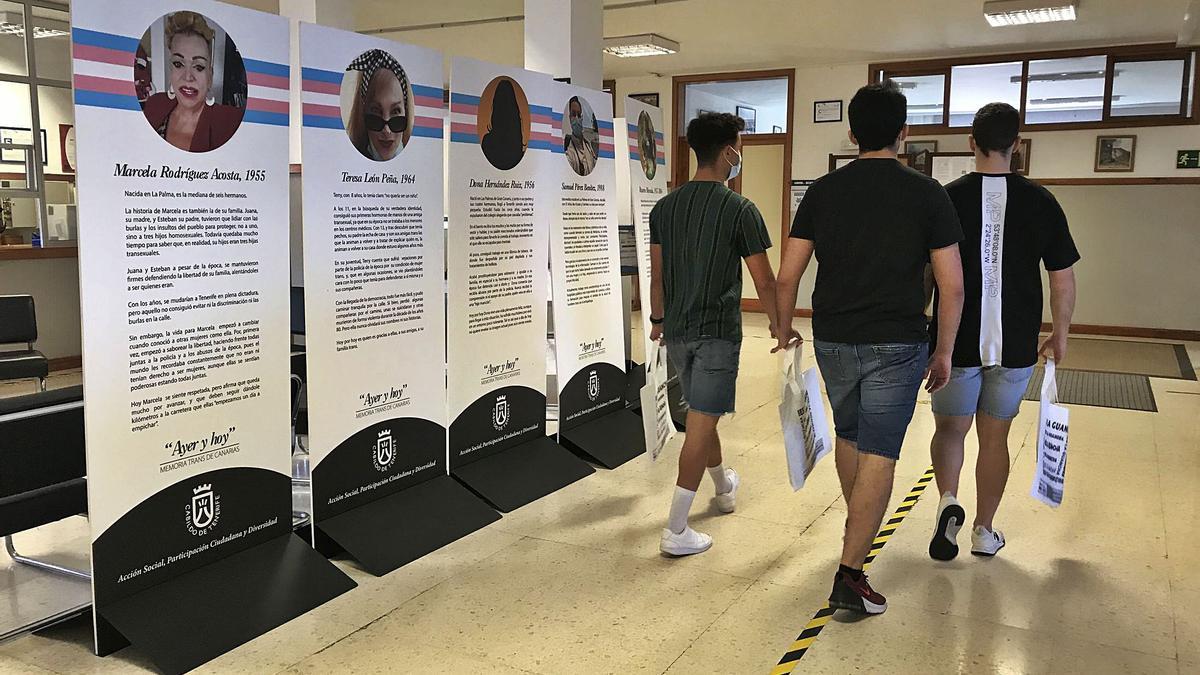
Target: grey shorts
{"type": "Point", "coordinates": [995, 391]}
{"type": "Point", "coordinates": [873, 391]}
{"type": "Point", "coordinates": [708, 370]}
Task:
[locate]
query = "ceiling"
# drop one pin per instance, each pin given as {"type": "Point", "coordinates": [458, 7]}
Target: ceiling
{"type": "Point", "coordinates": [722, 35]}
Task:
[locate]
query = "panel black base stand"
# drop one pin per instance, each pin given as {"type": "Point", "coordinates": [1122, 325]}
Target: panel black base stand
{"type": "Point", "coordinates": [187, 621]}
{"type": "Point", "coordinates": [635, 380]}
{"type": "Point", "coordinates": [397, 529]}
{"type": "Point", "coordinates": [609, 441]}
{"type": "Point", "coordinates": [523, 473]}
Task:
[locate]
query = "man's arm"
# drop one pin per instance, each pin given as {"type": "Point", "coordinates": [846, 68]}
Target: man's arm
{"type": "Point", "coordinates": [764, 282]}
{"type": "Point", "coordinates": [1062, 306]}
{"type": "Point", "coordinates": [657, 303]}
{"type": "Point", "coordinates": [947, 273]}
{"type": "Point", "coordinates": [796, 255]}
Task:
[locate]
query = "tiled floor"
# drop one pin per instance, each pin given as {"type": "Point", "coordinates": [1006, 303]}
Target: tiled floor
{"type": "Point", "coordinates": [574, 583]}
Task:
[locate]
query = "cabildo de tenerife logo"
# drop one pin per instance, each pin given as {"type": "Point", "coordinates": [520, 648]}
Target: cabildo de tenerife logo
{"type": "Point", "coordinates": [204, 511]}
{"type": "Point", "coordinates": [593, 386]}
{"type": "Point", "coordinates": [500, 413]}
{"type": "Point", "coordinates": [385, 450]}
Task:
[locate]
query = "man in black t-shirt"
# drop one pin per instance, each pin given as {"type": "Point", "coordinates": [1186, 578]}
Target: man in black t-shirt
{"type": "Point", "coordinates": [1011, 225]}
{"type": "Point", "coordinates": [873, 225]}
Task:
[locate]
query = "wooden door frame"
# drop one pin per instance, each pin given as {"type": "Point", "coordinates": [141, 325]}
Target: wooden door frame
{"type": "Point", "coordinates": [680, 148]}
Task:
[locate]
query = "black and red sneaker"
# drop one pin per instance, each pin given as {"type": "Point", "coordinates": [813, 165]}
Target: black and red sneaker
{"type": "Point", "coordinates": [856, 595]}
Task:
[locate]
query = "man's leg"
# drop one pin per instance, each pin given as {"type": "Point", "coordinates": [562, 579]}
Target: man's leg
{"type": "Point", "coordinates": [872, 487]}
{"type": "Point", "coordinates": [700, 445]}
{"type": "Point", "coordinates": [946, 450]}
{"type": "Point", "coordinates": [991, 469]}
{"type": "Point", "coordinates": [846, 458]}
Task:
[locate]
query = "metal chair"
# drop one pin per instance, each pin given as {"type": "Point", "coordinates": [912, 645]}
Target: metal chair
{"type": "Point", "coordinates": [42, 476]}
{"type": "Point", "coordinates": [18, 323]}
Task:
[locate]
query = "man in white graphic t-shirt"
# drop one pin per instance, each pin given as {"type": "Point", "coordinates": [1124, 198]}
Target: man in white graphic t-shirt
{"type": "Point", "coordinates": [1011, 226]}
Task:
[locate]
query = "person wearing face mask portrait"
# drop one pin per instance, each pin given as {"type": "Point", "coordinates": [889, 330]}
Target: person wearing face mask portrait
{"type": "Point", "coordinates": [699, 236]}
{"type": "Point", "coordinates": [188, 115]}
{"type": "Point", "coordinates": [581, 152]}
{"type": "Point", "coordinates": [379, 124]}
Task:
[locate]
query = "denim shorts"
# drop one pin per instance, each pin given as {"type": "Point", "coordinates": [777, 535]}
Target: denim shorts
{"type": "Point", "coordinates": [708, 370]}
{"type": "Point", "coordinates": [995, 391]}
{"type": "Point", "coordinates": [873, 391]}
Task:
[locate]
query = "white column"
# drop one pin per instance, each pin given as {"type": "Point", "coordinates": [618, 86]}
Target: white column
{"type": "Point", "coordinates": [325, 12]}
{"type": "Point", "coordinates": [564, 38]}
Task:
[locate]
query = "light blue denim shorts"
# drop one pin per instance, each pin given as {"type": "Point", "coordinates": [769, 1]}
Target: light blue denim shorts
{"type": "Point", "coordinates": [995, 391]}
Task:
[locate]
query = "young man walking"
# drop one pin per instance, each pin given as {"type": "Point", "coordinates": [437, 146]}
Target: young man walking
{"type": "Point", "coordinates": [873, 225]}
{"type": "Point", "coordinates": [1011, 224]}
{"type": "Point", "coordinates": [699, 235]}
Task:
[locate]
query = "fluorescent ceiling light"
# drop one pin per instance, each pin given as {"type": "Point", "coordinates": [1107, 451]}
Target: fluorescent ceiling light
{"type": "Point", "coordinates": [1020, 12]}
{"type": "Point", "coordinates": [13, 23]}
{"type": "Point", "coordinates": [647, 44]}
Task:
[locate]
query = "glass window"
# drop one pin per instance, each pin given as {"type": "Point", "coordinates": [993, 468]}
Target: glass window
{"type": "Point", "coordinates": [1147, 87]}
{"type": "Point", "coordinates": [974, 86]}
{"type": "Point", "coordinates": [58, 119]}
{"type": "Point", "coordinates": [926, 97]}
{"type": "Point", "coordinates": [762, 103]}
{"type": "Point", "coordinates": [52, 43]}
{"type": "Point", "coordinates": [1066, 90]}
{"type": "Point", "coordinates": [12, 39]}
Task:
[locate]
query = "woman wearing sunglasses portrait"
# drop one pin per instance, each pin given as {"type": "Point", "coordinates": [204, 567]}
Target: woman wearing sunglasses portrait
{"type": "Point", "coordinates": [380, 120]}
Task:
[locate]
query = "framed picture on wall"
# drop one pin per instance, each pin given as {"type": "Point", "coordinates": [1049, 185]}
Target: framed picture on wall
{"type": "Point", "coordinates": [648, 99]}
{"type": "Point", "coordinates": [776, 129]}
{"type": "Point", "coordinates": [1115, 153]}
{"type": "Point", "coordinates": [19, 136]}
{"type": "Point", "coordinates": [1020, 158]}
{"type": "Point", "coordinates": [827, 111]}
{"type": "Point", "coordinates": [750, 115]}
{"type": "Point", "coordinates": [919, 153]}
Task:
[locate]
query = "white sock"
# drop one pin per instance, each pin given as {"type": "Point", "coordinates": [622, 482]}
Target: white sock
{"type": "Point", "coordinates": [720, 479]}
{"type": "Point", "coordinates": [681, 503]}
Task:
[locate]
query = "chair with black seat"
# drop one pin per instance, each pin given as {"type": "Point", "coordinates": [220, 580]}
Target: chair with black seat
{"type": "Point", "coordinates": [18, 323]}
{"type": "Point", "coordinates": [42, 475]}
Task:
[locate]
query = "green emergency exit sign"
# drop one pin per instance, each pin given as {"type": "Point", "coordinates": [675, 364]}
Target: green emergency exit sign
{"type": "Point", "coordinates": [1187, 159]}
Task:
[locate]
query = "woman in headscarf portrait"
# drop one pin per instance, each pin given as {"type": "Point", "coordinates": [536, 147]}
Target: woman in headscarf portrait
{"type": "Point", "coordinates": [503, 123]}
{"type": "Point", "coordinates": [581, 136]}
{"type": "Point", "coordinates": [195, 113]}
{"type": "Point", "coordinates": [647, 148]}
{"type": "Point", "coordinates": [377, 105]}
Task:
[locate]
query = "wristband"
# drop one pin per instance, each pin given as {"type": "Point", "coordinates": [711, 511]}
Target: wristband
{"type": "Point", "coordinates": [656, 322]}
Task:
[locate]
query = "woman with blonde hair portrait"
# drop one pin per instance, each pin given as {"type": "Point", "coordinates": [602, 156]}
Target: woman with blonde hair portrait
{"type": "Point", "coordinates": [380, 120]}
{"type": "Point", "coordinates": [188, 114]}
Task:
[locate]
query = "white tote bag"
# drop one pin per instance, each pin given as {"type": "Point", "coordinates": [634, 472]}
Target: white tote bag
{"type": "Point", "coordinates": [656, 405]}
{"type": "Point", "coordinates": [1051, 472]}
{"type": "Point", "coordinates": [802, 412]}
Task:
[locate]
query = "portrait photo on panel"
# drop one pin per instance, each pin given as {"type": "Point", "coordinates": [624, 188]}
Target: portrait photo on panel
{"type": "Point", "coordinates": [647, 148]}
{"type": "Point", "coordinates": [581, 135]}
{"type": "Point", "coordinates": [377, 105]}
{"type": "Point", "coordinates": [504, 123]}
{"type": "Point", "coordinates": [190, 81]}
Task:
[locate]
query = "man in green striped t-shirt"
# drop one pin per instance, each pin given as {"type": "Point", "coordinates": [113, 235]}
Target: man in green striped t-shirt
{"type": "Point", "coordinates": [699, 235]}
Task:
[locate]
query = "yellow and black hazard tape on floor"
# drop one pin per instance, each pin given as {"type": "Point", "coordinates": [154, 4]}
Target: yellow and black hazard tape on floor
{"type": "Point", "coordinates": [813, 628]}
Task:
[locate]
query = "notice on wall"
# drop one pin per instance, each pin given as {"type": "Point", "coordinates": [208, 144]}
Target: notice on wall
{"type": "Point", "coordinates": [502, 178]}
{"type": "Point", "coordinates": [648, 184]}
{"type": "Point", "coordinates": [183, 268]}
{"type": "Point", "coordinates": [799, 189]}
{"type": "Point", "coordinates": [949, 168]}
{"type": "Point", "coordinates": [373, 265]}
{"type": "Point", "coordinates": [585, 260]}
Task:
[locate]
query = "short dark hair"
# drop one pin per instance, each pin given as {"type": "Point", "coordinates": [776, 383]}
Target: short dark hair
{"type": "Point", "coordinates": [709, 133]}
{"type": "Point", "coordinates": [877, 115]}
{"type": "Point", "coordinates": [996, 127]}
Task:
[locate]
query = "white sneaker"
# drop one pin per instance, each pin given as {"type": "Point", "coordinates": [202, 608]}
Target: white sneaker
{"type": "Point", "coordinates": [986, 542]}
{"type": "Point", "coordinates": [688, 542]}
{"type": "Point", "coordinates": [725, 500]}
{"type": "Point", "coordinates": [944, 544]}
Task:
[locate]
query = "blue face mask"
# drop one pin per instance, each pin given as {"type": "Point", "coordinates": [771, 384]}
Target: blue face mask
{"type": "Point", "coordinates": [734, 169]}
{"type": "Point", "coordinates": [577, 127]}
